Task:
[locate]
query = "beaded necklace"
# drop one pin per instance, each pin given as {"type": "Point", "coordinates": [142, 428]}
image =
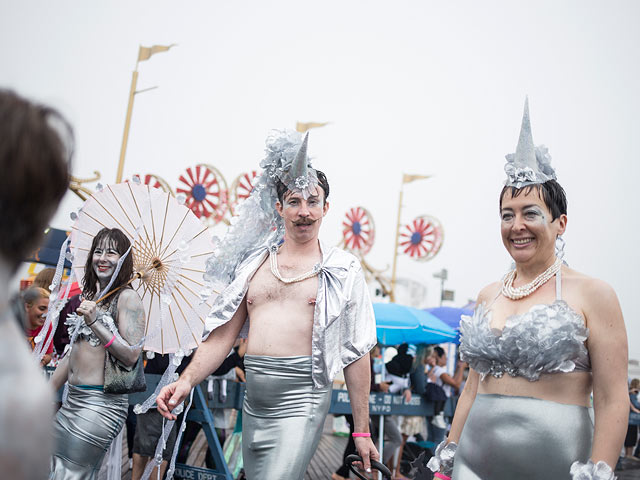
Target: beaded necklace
{"type": "Point", "coordinates": [516, 293]}
{"type": "Point", "coordinates": [273, 259]}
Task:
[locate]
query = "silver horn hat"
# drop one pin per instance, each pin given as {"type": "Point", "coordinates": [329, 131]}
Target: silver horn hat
{"type": "Point", "coordinates": [298, 174]}
{"type": "Point", "coordinates": [530, 164]}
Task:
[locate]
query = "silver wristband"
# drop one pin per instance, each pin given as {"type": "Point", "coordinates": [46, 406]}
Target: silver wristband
{"type": "Point", "coordinates": [591, 471]}
{"type": "Point", "coordinates": [442, 460]}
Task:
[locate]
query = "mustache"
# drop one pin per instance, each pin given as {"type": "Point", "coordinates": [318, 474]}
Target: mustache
{"type": "Point", "coordinates": [304, 221]}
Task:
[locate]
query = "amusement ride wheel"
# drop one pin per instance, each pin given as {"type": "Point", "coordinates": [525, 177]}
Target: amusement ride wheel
{"type": "Point", "coordinates": [422, 238]}
{"type": "Point", "coordinates": [206, 193]}
{"type": "Point", "coordinates": [241, 189]}
{"type": "Point", "coordinates": [358, 233]}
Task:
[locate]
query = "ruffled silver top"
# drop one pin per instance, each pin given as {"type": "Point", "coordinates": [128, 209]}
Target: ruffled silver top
{"type": "Point", "coordinates": [344, 327]}
{"type": "Point", "coordinates": [75, 322]}
{"type": "Point", "coordinates": [546, 339]}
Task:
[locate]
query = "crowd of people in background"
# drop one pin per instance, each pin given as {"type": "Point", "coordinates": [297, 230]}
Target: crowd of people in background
{"type": "Point", "coordinates": [631, 445]}
{"type": "Point", "coordinates": [413, 370]}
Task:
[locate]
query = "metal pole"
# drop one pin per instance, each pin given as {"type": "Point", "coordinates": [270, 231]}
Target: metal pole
{"type": "Point", "coordinates": [442, 275]}
{"type": "Point", "coordinates": [392, 296]}
{"type": "Point", "coordinates": [127, 124]}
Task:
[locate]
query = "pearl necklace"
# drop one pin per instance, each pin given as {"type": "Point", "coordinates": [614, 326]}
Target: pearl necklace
{"type": "Point", "coordinates": [516, 293]}
{"type": "Point", "coordinates": [273, 258]}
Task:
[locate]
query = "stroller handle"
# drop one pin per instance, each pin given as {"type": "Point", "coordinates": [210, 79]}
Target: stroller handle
{"type": "Point", "coordinates": [374, 464]}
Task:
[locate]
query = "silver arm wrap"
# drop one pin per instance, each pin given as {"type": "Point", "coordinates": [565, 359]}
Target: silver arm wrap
{"type": "Point", "coordinates": [591, 471]}
{"type": "Point", "coordinates": [442, 461]}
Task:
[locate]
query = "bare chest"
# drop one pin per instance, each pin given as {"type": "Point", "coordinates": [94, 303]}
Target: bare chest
{"type": "Point", "coordinates": [265, 288]}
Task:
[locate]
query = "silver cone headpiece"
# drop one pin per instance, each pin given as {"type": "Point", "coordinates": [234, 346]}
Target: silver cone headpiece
{"type": "Point", "coordinates": [299, 167]}
{"type": "Point", "coordinates": [530, 164]}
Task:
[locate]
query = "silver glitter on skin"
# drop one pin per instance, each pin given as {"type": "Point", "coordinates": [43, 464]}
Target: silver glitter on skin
{"type": "Point", "coordinates": [532, 214]}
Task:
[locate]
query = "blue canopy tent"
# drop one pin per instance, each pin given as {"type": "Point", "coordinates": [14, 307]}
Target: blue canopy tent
{"type": "Point", "coordinates": [450, 316]}
{"type": "Point", "coordinates": [397, 324]}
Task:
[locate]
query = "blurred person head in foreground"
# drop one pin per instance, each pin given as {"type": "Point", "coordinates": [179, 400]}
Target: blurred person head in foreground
{"type": "Point", "coordinates": [35, 149]}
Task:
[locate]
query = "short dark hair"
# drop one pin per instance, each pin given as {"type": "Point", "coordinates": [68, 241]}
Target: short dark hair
{"type": "Point", "coordinates": [35, 151]}
{"type": "Point", "coordinates": [439, 351]}
{"type": "Point", "coordinates": [282, 189]}
{"type": "Point", "coordinates": [121, 244]}
{"type": "Point", "coordinates": [551, 193]}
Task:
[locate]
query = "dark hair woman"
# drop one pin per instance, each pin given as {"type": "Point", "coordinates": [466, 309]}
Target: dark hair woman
{"type": "Point", "coordinates": [107, 240]}
{"type": "Point", "coordinates": [540, 342]}
{"type": "Point", "coordinates": [107, 334]}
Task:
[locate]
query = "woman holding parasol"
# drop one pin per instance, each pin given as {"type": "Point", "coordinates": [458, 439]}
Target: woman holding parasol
{"type": "Point", "coordinates": [140, 253]}
{"type": "Point", "coordinates": [104, 363]}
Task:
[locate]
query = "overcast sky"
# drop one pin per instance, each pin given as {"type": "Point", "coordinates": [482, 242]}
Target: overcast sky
{"type": "Point", "coordinates": [419, 87]}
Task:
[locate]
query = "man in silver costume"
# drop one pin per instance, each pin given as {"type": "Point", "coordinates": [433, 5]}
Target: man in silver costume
{"type": "Point", "coordinates": [35, 149]}
{"type": "Point", "coordinates": [308, 314]}
{"type": "Point", "coordinates": [89, 418]}
{"type": "Point", "coordinates": [537, 349]}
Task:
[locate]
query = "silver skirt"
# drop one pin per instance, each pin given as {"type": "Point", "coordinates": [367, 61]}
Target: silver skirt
{"type": "Point", "coordinates": [282, 417]}
{"type": "Point", "coordinates": [507, 437]}
{"type": "Point", "coordinates": [84, 428]}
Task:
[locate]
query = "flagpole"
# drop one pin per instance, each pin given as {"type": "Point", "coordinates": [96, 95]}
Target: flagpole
{"type": "Point", "coordinates": [392, 295]}
{"type": "Point", "coordinates": [127, 124]}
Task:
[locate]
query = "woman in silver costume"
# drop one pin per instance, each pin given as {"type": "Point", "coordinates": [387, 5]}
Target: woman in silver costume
{"type": "Point", "coordinates": [90, 419]}
{"type": "Point", "coordinates": [539, 343]}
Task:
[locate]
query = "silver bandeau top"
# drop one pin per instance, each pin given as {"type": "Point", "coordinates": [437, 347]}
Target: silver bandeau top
{"type": "Point", "coordinates": [546, 339]}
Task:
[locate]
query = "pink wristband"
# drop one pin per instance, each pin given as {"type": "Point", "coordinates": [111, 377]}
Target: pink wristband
{"type": "Point", "coordinates": [441, 475]}
{"type": "Point", "coordinates": [110, 341]}
{"type": "Point", "coordinates": [354, 435]}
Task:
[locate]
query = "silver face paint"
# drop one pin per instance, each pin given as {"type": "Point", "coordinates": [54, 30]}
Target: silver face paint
{"type": "Point", "coordinates": [535, 214]}
{"type": "Point", "coordinates": [531, 214]}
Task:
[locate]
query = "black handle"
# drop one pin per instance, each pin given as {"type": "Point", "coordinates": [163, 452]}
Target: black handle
{"type": "Point", "coordinates": [374, 464]}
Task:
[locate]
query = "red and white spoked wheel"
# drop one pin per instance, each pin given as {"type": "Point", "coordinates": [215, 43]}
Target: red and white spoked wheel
{"type": "Point", "coordinates": [422, 238]}
{"type": "Point", "coordinates": [241, 189]}
{"type": "Point", "coordinates": [206, 192]}
{"type": "Point", "coordinates": [358, 233]}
